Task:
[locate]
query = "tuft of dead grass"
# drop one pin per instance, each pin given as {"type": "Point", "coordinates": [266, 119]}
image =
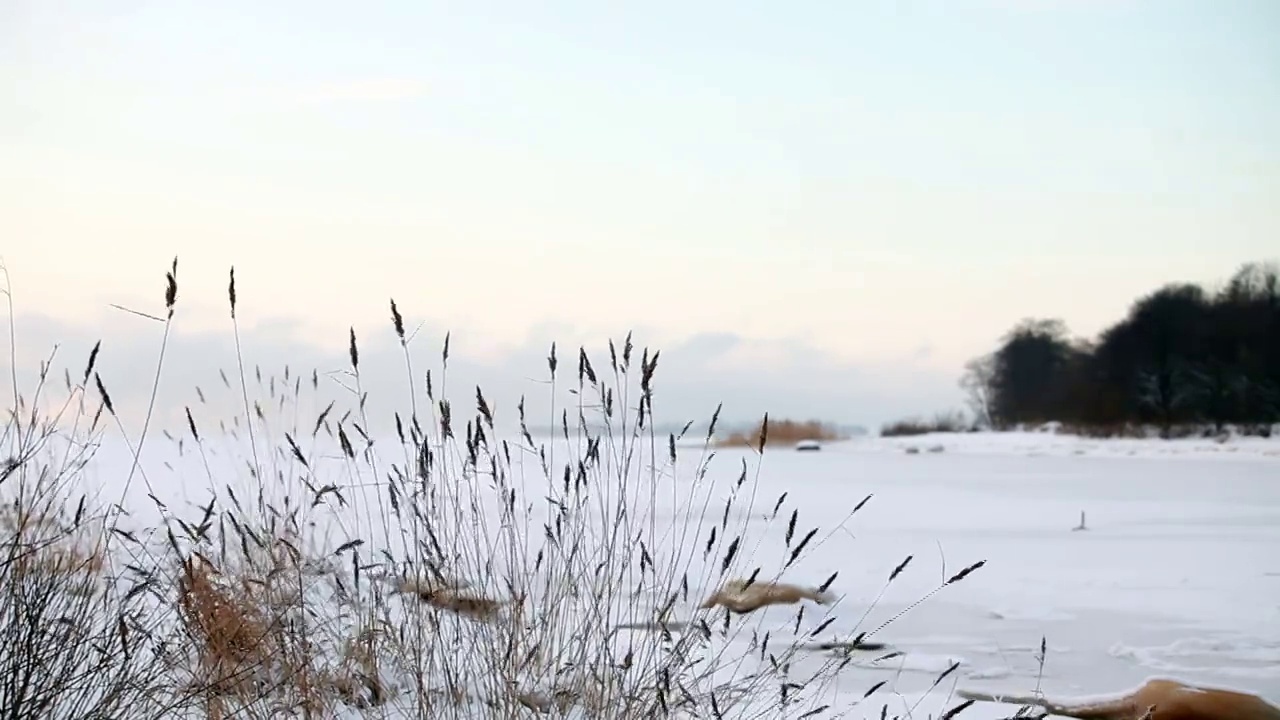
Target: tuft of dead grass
{"type": "Point", "coordinates": [232, 630]}
{"type": "Point", "coordinates": [457, 600]}
{"type": "Point", "coordinates": [742, 597]}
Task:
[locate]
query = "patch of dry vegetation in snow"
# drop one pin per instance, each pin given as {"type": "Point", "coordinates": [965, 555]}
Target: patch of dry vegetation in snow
{"type": "Point", "coordinates": [781, 432]}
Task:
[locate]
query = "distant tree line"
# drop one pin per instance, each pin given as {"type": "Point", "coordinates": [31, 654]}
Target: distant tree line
{"type": "Point", "coordinates": [1183, 355]}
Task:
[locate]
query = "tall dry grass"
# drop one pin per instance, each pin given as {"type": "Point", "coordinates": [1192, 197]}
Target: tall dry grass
{"type": "Point", "coordinates": [77, 639]}
{"type": "Point", "coordinates": [446, 572]}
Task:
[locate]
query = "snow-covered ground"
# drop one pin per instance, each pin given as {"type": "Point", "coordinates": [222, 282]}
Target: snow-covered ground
{"type": "Point", "coordinates": [1176, 574]}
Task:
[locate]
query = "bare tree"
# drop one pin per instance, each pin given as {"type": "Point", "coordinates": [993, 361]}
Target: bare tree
{"type": "Point", "coordinates": [977, 381]}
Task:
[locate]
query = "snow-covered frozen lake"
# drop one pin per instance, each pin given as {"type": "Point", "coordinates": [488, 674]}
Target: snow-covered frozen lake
{"type": "Point", "coordinates": [1176, 574]}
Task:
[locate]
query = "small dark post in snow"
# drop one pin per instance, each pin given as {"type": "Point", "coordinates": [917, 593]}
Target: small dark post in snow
{"type": "Point", "coordinates": [1081, 526]}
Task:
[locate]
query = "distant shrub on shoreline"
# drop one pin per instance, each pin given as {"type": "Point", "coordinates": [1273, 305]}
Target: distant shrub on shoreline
{"type": "Point", "coordinates": [953, 422]}
{"type": "Point", "coordinates": [781, 432]}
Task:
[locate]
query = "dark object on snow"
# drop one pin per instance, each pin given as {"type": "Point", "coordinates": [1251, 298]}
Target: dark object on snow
{"type": "Point", "coordinates": [1081, 526]}
{"type": "Point", "coordinates": [850, 646]}
{"type": "Point", "coordinates": [808, 446]}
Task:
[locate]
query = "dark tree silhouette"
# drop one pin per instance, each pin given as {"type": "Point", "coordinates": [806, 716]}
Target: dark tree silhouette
{"type": "Point", "coordinates": [1169, 327]}
{"type": "Point", "coordinates": [1029, 369]}
{"type": "Point", "coordinates": [1181, 355]}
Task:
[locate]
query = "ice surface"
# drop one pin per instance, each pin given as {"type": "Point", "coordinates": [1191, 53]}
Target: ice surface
{"type": "Point", "coordinates": [1177, 574]}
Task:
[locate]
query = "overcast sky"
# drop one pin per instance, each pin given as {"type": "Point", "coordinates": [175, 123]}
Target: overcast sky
{"type": "Point", "coordinates": [812, 208]}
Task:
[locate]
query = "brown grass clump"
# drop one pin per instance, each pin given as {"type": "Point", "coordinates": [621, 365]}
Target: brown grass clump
{"type": "Point", "coordinates": [781, 432]}
{"type": "Point", "coordinates": [246, 646]}
{"type": "Point", "coordinates": [232, 634]}
{"type": "Point", "coordinates": [1155, 699]}
{"type": "Point", "coordinates": [258, 639]}
{"type": "Point", "coordinates": [455, 599]}
{"type": "Point", "coordinates": [743, 597]}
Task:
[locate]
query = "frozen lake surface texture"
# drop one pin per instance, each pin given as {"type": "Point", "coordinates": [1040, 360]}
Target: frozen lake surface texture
{"type": "Point", "coordinates": [1176, 574]}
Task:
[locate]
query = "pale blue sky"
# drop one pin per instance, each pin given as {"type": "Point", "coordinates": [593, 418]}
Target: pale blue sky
{"type": "Point", "coordinates": [884, 185]}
